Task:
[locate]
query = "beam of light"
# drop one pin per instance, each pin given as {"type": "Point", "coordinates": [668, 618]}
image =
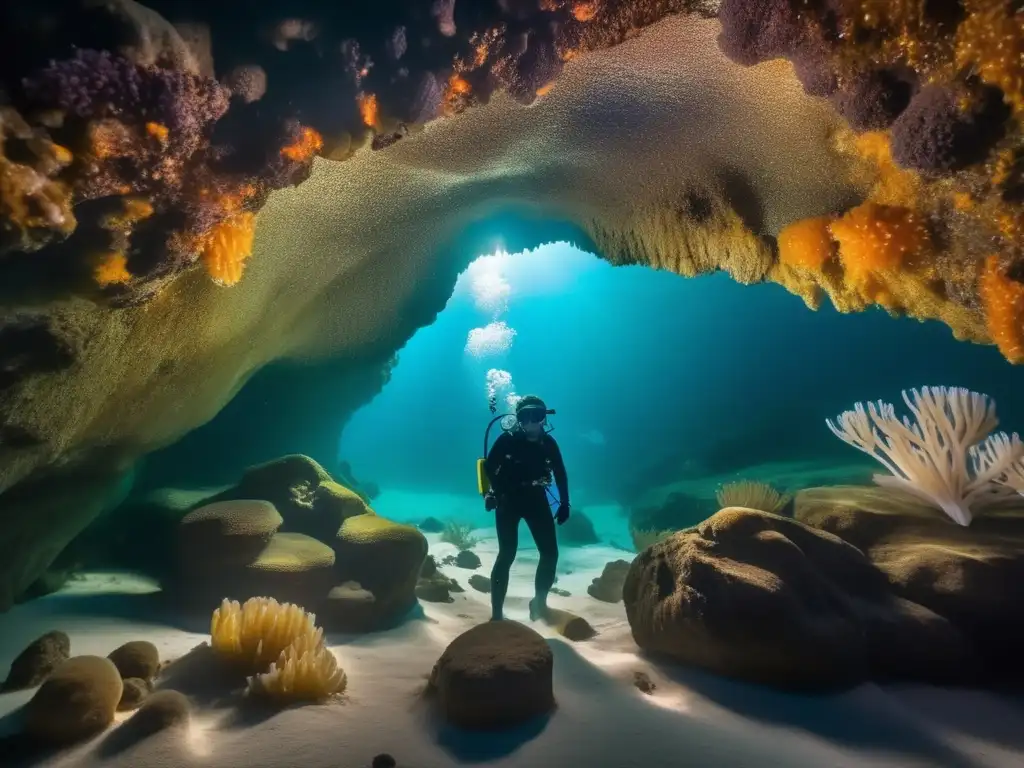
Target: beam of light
{"type": "Point", "coordinates": [492, 339]}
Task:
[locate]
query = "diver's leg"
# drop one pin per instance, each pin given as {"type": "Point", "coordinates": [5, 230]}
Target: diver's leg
{"type": "Point", "coordinates": [542, 527]}
{"type": "Point", "coordinates": [506, 520]}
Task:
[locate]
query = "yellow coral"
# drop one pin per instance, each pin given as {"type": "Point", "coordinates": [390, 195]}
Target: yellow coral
{"type": "Point", "coordinates": [111, 269]}
{"type": "Point", "coordinates": [305, 671]}
{"type": "Point", "coordinates": [751, 494]}
{"type": "Point", "coordinates": [227, 247]}
{"type": "Point", "coordinates": [254, 634]}
{"type": "Point", "coordinates": [990, 40]}
{"type": "Point", "coordinates": [806, 243]}
{"type": "Point", "coordinates": [1003, 300]}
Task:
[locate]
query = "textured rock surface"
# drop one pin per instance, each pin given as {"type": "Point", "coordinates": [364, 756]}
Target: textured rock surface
{"type": "Point", "coordinates": [971, 575]}
{"type": "Point", "coordinates": [767, 599]}
{"type": "Point", "coordinates": [77, 700]}
{"type": "Point", "coordinates": [151, 374]}
{"type": "Point", "coordinates": [494, 675]}
{"type": "Point", "coordinates": [37, 661]}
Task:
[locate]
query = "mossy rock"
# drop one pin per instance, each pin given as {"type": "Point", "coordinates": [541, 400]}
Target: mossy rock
{"type": "Point", "coordinates": [970, 575]}
{"type": "Point", "coordinates": [384, 557]}
{"type": "Point", "coordinates": [77, 700]}
{"type": "Point", "coordinates": [34, 664]}
{"type": "Point", "coordinates": [767, 599]}
{"type": "Point", "coordinates": [304, 493]}
{"type": "Point", "coordinates": [225, 533]}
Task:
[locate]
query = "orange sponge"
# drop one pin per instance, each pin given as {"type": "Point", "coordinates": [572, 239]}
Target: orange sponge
{"type": "Point", "coordinates": [1003, 300]}
{"type": "Point", "coordinates": [228, 245]}
{"type": "Point", "coordinates": [807, 243]}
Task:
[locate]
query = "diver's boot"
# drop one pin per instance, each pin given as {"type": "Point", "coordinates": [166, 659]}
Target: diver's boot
{"type": "Point", "coordinates": [539, 608]}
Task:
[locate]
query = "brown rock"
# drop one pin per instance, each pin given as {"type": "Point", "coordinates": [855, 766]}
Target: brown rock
{"type": "Point", "coordinates": [764, 598]}
{"type": "Point", "coordinates": [494, 675]}
{"type": "Point", "coordinates": [138, 658]}
{"type": "Point", "coordinates": [37, 661]}
{"type": "Point", "coordinates": [608, 586]}
{"type": "Point", "coordinates": [972, 575]}
{"type": "Point", "coordinates": [480, 583]}
{"type": "Point", "coordinates": [134, 693]}
{"type": "Point", "coordinates": [76, 701]}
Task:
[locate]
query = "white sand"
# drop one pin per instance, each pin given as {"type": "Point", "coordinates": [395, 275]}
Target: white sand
{"type": "Point", "coordinates": [602, 720]}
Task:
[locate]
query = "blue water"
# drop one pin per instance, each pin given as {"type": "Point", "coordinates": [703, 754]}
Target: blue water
{"type": "Point", "coordinates": [651, 373]}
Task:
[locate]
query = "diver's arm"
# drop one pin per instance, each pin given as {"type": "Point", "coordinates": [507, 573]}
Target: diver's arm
{"type": "Point", "coordinates": [558, 469]}
{"type": "Point", "coordinates": [492, 464]}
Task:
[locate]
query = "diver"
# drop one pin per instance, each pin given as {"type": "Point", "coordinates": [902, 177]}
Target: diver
{"type": "Point", "coordinates": [520, 467]}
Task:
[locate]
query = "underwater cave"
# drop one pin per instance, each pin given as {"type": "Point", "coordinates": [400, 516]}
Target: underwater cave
{"type": "Point", "coordinates": [532, 382]}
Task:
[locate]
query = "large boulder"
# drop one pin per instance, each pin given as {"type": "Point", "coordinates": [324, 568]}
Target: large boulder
{"type": "Point", "coordinates": [763, 598]}
{"type": "Point", "coordinates": [385, 558]}
{"type": "Point", "coordinates": [970, 575]}
{"type": "Point", "coordinates": [76, 701]}
{"type": "Point", "coordinates": [494, 675]}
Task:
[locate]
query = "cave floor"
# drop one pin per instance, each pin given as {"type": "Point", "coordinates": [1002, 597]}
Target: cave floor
{"type": "Point", "coordinates": [602, 719]}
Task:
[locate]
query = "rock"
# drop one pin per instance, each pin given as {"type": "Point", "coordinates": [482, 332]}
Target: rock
{"type": "Point", "coordinates": [432, 525]}
{"type": "Point", "coordinates": [494, 675]}
{"type": "Point", "coordinates": [480, 583]}
{"type": "Point", "coordinates": [643, 682]}
{"type": "Point", "coordinates": [561, 592]}
{"type": "Point", "coordinates": [435, 590]}
{"type": "Point", "coordinates": [349, 608]}
{"type": "Point", "coordinates": [138, 658]}
{"type": "Point", "coordinates": [970, 575]}
{"type": "Point", "coordinates": [608, 586]}
{"type": "Point", "coordinates": [577, 531]}
{"type": "Point", "coordinates": [37, 661]}
{"type": "Point", "coordinates": [160, 711]}
{"type": "Point", "coordinates": [385, 557]}
{"type": "Point", "coordinates": [76, 701]}
{"type": "Point", "coordinates": [767, 599]}
{"type": "Point", "coordinates": [429, 567]}
{"type": "Point", "coordinates": [225, 533]}
{"type": "Point", "coordinates": [383, 761]}
{"type": "Point", "coordinates": [467, 559]}
{"type": "Point", "coordinates": [135, 691]}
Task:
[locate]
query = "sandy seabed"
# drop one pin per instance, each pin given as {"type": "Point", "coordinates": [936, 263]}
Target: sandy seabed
{"type": "Point", "coordinates": [602, 719]}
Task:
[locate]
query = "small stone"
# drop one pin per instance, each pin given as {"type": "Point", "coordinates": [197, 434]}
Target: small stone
{"type": "Point", "coordinates": [76, 701]}
{"type": "Point", "coordinates": [38, 660]}
{"type": "Point", "coordinates": [467, 559]}
{"type": "Point", "coordinates": [480, 583]}
{"type": "Point", "coordinates": [161, 710]}
{"type": "Point", "coordinates": [135, 691]}
{"type": "Point", "coordinates": [383, 760]}
{"type": "Point", "coordinates": [561, 592]}
{"type": "Point", "coordinates": [643, 682]}
{"type": "Point", "coordinates": [435, 590]}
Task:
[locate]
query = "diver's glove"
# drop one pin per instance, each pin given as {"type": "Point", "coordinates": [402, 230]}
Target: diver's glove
{"type": "Point", "coordinates": [563, 513]}
{"type": "Point", "coordinates": [490, 502]}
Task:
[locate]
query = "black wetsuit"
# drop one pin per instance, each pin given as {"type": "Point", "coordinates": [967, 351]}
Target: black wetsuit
{"type": "Point", "coordinates": [514, 465]}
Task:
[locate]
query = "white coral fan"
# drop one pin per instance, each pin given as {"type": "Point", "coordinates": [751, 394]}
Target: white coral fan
{"type": "Point", "coordinates": [255, 633]}
{"type": "Point", "coordinates": [947, 456]}
{"type": "Point", "coordinates": [305, 671]}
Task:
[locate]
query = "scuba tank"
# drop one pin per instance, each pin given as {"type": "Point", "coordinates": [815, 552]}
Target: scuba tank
{"type": "Point", "coordinates": [508, 423]}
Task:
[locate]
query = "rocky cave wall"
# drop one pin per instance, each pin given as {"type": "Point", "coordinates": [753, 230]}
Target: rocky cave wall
{"type": "Point", "coordinates": [150, 271]}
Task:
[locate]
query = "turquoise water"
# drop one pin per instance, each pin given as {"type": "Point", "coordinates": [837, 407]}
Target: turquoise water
{"type": "Point", "coordinates": [655, 378]}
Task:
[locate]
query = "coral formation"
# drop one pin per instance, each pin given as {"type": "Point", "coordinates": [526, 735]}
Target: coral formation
{"type": "Point", "coordinates": [947, 456]}
{"type": "Point", "coordinates": [752, 495]}
{"type": "Point", "coordinates": [459, 535]}
{"type": "Point", "coordinates": [305, 671]}
{"type": "Point", "coordinates": [253, 634]}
